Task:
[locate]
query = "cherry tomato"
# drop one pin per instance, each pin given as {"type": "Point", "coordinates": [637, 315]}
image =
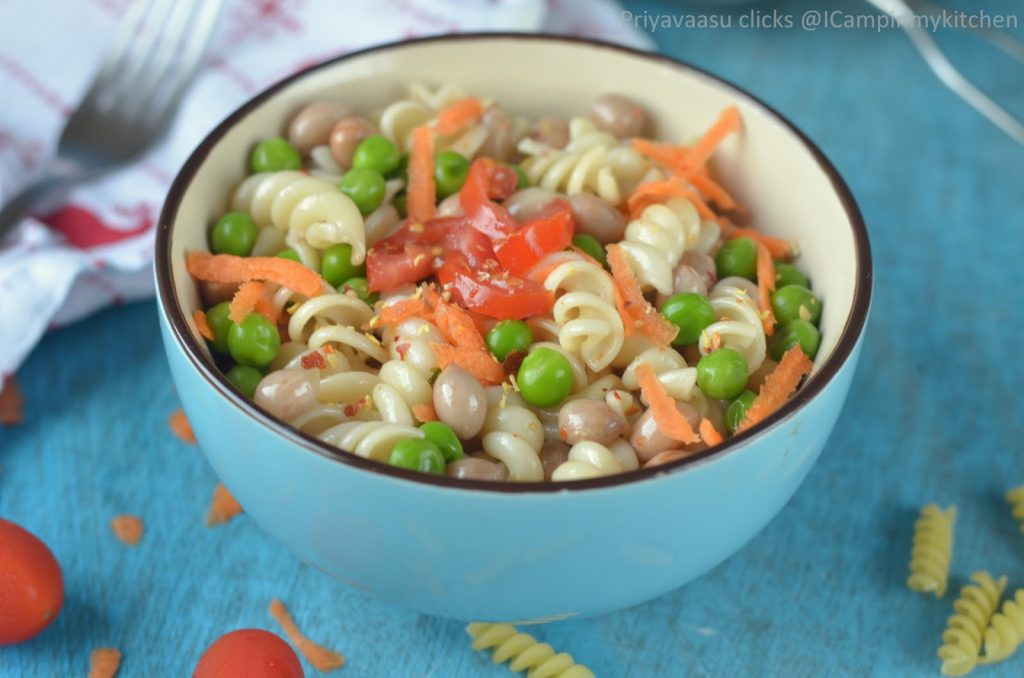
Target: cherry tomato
{"type": "Point", "coordinates": [249, 653]}
{"type": "Point", "coordinates": [492, 292]}
{"type": "Point", "coordinates": [470, 243]}
{"type": "Point", "coordinates": [551, 230]}
{"type": "Point", "coordinates": [488, 181]}
{"type": "Point", "coordinates": [31, 585]}
{"type": "Point", "coordinates": [389, 265]}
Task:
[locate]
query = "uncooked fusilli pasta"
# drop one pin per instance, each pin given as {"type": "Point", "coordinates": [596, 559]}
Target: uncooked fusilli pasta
{"type": "Point", "coordinates": [932, 550]}
{"type": "Point", "coordinates": [1005, 632]}
{"type": "Point", "coordinates": [1016, 499]}
{"type": "Point", "coordinates": [973, 610]}
{"type": "Point", "coordinates": [524, 652]}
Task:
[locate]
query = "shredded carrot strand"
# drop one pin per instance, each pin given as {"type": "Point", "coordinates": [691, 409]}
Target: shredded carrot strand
{"type": "Point", "coordinates": [457, 325]}
{"type": "Point", "coordinates": [223, 506]}
{"type": "Point", "coordinates": [424, 412]}
{"type": "Point", "coordinates": [319, 656]}
{"type": "Point", "coordinates": [780, 248]}
{"type": "Point", "coordinates": [244, 301]}
{"type": "Point", "coordinates": [203, 325]}
{"type": "Point", "coordinates": [670, 420]}
{"type": "Point", "coordinates": [127, 528]}
{"type": "Point", "coordinates": [629, 325]}
{"type": "Point", "coordinates": [778, 386]}
{"type": "Point", "coordinates": [709, 433]}
{"type": "Point", "coordinates": [765, 287]}
{"type": "Point", "coordinates": [650, 323]}
{"type": "Point", "coordinates": [480, 364]}
{"type": "Point", "coordinates": [458, 114]}
{"type": "Point", "coordinates": [227, 268]}
{"type": "Point", "coordinates": [12, 403]}
{"type": "Point", "coordinates": [104, 662]}
{"type": "Point", "coordinates": [401, 310]}
{"type": "Point", "coordinates": [728, 122]}
{"type": "Point", "coordinates": [714, 191]}
{"type": "Point", "coordinates": [181, 427]}
{"type": "Point", "coordinates": [666, 154]}
{"type": "Point", "coordinates": [421, 191]}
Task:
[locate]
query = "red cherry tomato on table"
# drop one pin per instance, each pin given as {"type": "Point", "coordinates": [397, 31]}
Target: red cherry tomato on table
{"type": "Point", "coordinates": [249, 653]}
{"type": "Point", "coordinates": [31, 585]}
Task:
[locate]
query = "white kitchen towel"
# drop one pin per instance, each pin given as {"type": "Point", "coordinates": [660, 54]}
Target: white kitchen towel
{"type": "Point", "coordinates": [96, 250]}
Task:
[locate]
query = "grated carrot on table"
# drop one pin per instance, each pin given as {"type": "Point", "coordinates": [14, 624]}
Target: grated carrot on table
{"type": "Point", "coordinates": [424, 412]}
{"type": "Point", "coordinates": [127, 528]}
{"type": "Point", "coordinates": [765, 287]}
{"type": "Point", "coordinates": [244, 301]}
{"type": "Point", "coordinates": [670, 420]}
{"type": "Point", "coordinates": [421, 191]}
{"type": "Point", "coordinates": [319, 656]}
{"type": "Point", "coordinates": [708, 433]}
{"type": "Point", "coordinates": [639, 311]}
{"type": "Point", "coordinates": [458, 114]}
{"type": "Point", "coordinates": [12, 403]}
{"type": "Point", "coordinates": [227, 268]}
{"type": "Point", "coordinates": [104, 662]}
{"type": "Point", "coordinates": [181, 428]}
{"type": "Point", "coordinates": [223, 507]}
{"type": "Point", "coordinates": [203, 325]}
{"type": "Point", "coordinates": [778, 386]}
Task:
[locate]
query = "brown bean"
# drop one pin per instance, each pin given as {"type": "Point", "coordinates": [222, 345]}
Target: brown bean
{"type": "Point", "coordinates": [580, 420]}
{"type": "Point", "coordinates": [598, 218]}
{"type": "Point", "coordinates": [528, 202]}
{"type": "Point", "coordinates": [619, 115]}
{"type": "Point", "coordinates": [552, 130]}
{"type": "Point", "coordinates": [499, 143]}
{"type": "Point", "coordinates": [313, 124]}
{"type": "Point", "coordinates": [685, 280]}
{"type": "Point", "coordinates": [346, 135]}
{"type": "Point", "coordinates": [702, 264]}
{"type": "Point", "coordinates": [214, 292]}
{"type": "Point", "coordinates": [471, 468]}
{"type": "Point", "coordinates": [647, 438]}
{"type": "Point", "coordinates": [460, 401]}
{"type": "Point", "coordinates": [288, 393]}
{"type": "Point", "coordinates": [553, 455]}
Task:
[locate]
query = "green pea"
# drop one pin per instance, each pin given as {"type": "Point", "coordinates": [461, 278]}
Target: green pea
{"type": "Point", "coordinates": [365, 187]}
{"type": "Point", "coordinates": [591, 246]}
{"type": "Point", "coordinates": [444, 438]}
{"type": "Point", "coordinates": [737, 257]}
{"type": "Point", "coordinates": [795, 333]}
{"type": "Point", "coordinates": [399, 204]}
{"type": "Point", "coordinates": [795, 302]}
{"type": "Point", "coordinates": [289, 254]}
{"type": "Point", "coordinates": [218, 320]}
{"type": "Point", "coordinates": [376, 153]}
{"type": "Point", "coordinates": [508, 336]}
{"type": "Point", "coordinates": [737, 410]}
{"type": "Point", "coordinates": [722, 374]}
{"type": "Point", "coordinates": [417, 454]}
{"type": "Point", "coordinates": [336, 265]}
{"type": "Point", "coordinates": [361, 287]}
{"type": "Point", "coordinates": [691, 313]}
{"type": "Point", "coordinates": [788, 274]}
{"type": "Point", "coordinates": [545, 377]}
{"type": "Point", "coordinates": [254, 342]}
{"type": "Point", "coordinates": [245, 379]}
{"type": "Point", "coordinates": [450, 171]}
{"type": "Point", "coordinates": [274, 155]}
{"type": "Point", "coordinates": [522, 181]}
{"type": "Point", "coordinates": [234, 233]}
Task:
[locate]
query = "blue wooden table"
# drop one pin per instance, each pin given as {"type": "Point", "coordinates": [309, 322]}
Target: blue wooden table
{"type": "Point", "coordinates": [933, 415]}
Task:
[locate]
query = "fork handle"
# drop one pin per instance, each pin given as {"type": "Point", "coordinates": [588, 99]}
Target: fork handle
{"type": "Point", "coordinates": [46, 190]}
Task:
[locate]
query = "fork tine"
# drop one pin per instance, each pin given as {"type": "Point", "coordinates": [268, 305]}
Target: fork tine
{"type": "Point", "coordinates": [151, 30]}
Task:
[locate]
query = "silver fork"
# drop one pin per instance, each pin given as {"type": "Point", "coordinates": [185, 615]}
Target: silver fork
{"type": "Point", "coordinates": [152, 58]}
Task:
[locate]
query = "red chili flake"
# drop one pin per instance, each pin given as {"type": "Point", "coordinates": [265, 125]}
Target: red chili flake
{"type": "Point", "coordinates": [313, 360]}
{"type": "Point", "coordinates": [328, 349]}
{"type": "Point", "coordinates": [402, 349]}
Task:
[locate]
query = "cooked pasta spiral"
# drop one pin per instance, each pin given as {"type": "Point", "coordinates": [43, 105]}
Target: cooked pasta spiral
{"type": "Point", "coordinates": [333, 319]}
{"type": "Point", "coordinates": [1016, 499]}
{"type": "Point", "coordinates": [589, 324]}
{"type": "Point", "coordinates": [1005, 632]}
{"type": "Point", "coordinates": [371, 439]}
{"type": "Point", "coordinates": [513, 435]}
{"type": "Point", "coordinates": [400, 389]}
{"type": "Point", "coordinates": [679, 380]}
{"type": "Point", "coordinates": [589, 459]}
{"type": "Point", "coordinates": [312, 209]}
{"type": "Point", "coordinates": [961, 641]}
{"type": "Point", "coordinates": [400, 118]}
{"type": "Point", "coordinates": [738, 326]}
{"type": "Point", "coordinates": [592, 162]}
{"type": "Point", "coordinates": [525, 653]}
{"type": "Point", "coordinates": [932, 550]}
{"type": "Point", "coordinates": [655, 241]}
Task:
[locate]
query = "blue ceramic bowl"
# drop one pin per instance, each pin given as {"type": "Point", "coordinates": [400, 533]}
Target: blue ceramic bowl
{"type": "Point", "coordinates": [475, 550]}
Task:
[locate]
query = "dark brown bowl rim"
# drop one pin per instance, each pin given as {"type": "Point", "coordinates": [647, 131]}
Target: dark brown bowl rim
{"type": "Point", "coordinates": [176, 317]}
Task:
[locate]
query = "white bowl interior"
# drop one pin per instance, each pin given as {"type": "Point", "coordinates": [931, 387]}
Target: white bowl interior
{"type": "Point", "coordinates": [767, 167]}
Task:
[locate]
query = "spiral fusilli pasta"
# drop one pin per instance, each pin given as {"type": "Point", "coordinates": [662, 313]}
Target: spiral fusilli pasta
{"type": "Point", "coordinates": [525, 652]}
{"type": "Point", "coordinates": [655, 241]}
{"type": "Point", "coordinates": [401, 388]}
{"type": "Point", "coordinates": [334, 319]}
{"type": "Point", "coordinates": [738, 326]}
{"type": "Point", "coordinates": [1005, 632]}
{"type": "Point", "coordinates": [1015, 497]}
{"type": "Point", "coordinates": [589, 324]}
{"type": "Point", "coordinates": [973, 610]}
{"type": "Point", "coordinates": [592, 162]}
{"type": "Point", "coordinates": [590, 460]}
{"type": "Point", "coordinates": [932, 550]}
{"type": "Point", "coordinates": [513, 434]}
{"type": "Point", "coordinates": [371, 439]}
{"type": "Point", "coordinates": [313, 210]}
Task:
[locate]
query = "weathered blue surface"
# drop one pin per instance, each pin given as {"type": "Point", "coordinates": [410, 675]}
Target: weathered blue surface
{"type": "Point", "coordinates": [932, 416]}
